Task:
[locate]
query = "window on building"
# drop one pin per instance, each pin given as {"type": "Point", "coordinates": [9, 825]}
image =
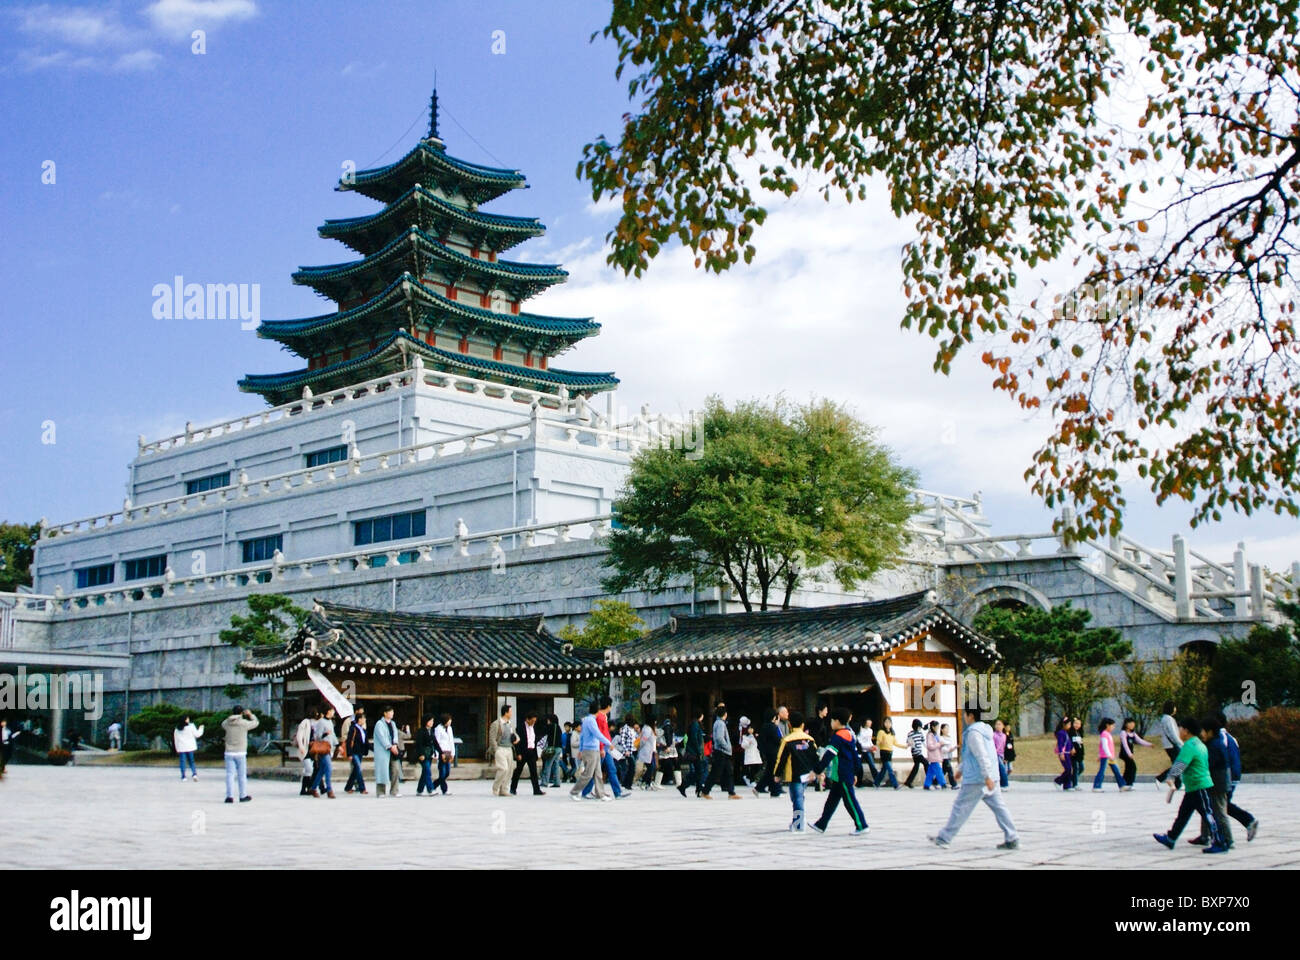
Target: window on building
{"type": "Point", "coordinates": [145, 568]}
{"type": "Point", "coordinates": [262, 548]}
{"type": "Point", "coordinates": [204, 484]}
{"type": "Point", "coordinates": [318, 458]}
{"type": "Point", "coordinates": [88, 577]}
{"type": "Point", "coordinates": [397, 526]}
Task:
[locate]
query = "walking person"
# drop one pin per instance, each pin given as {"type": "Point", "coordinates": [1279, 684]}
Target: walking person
{"type": "Point", "coordinates": [1221, 775]}
{"type": "Point", "coordinates": [866, 747]}
{"type": "Point", "coordinates": [302, 740]}
{"type": "Point", "coordinates": [1192, 767]}
{"type": "Point", "coordinates": [839, 765]}
{"type": "Point", "coordinates": [885, 744]}
{"type": "Point", "coordinates": [950, 753]}
{"type": "Point", "coordinates": [1128, 740]}
{"type": "Point", "coordinates": [608, 753]}
{"type": "Point", "coordinates": [978, 777]}
{"type": "Point", "coordinates": [550, 747]}
{"type": "Point", "coordinates": [752, 762]}
{"type": "Point", "coordinates": [445, 741]}
{"type": "Point", "coordinates": [646, 751]}
{"type": "Point", "coordinates": [1168, 729]}
{"type": "Point", "coordinates": [769, 743]}
{"type": "Point", "coordinates": [501, 750]}
{"type": "Point", "coordinates": [1076, 751]}
{"type": "Point", "coordinates": [186, 739]}
{"type": "Point", "coordinates": [426, 754]}
{"type": "Point", "coordinates": [693, 748]}
{"type": "Point", "coordinates": [1065, 754]}
{"type": "Point", "coordinates": [933, 757]}
{"type": "Point", "coordinates": [237, 727]}
{"type": "Point", "coordinates": [526, 755]}
{"type": "Point", "coordinates": [358, 743]}
{"type": "Point", "coordinates": [720, 769]}
{"type": "Point", "coordinates": [1009, 753]}
{"type": "Point", "coordinates": [322, 734]}
{"type": "Point", "coordinates": [795, 765]}
{"type": "Point", "coordinates": [668, 750]}
{"type": "Point", "coordinates": [115, 736]}
{"type": "Point", "coordinates": [388, 754]}
{"type": "Point", "coordinates": [820, 728]}
{"type": "Point", "coordinates": [7, 745]}
{"type": "Point", "coordinates": [1000, 739]}
{"type": "Point", "coordinates": [590, 742]}
{"type": "Point", "coordinates": [1106, 755]}
{"type": "Point", "coordinates": [916, 743]}
{"type": "Point", "coordinates": [1233, 749]}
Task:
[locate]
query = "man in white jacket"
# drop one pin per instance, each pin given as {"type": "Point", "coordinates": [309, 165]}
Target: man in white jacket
{"type": "Point", "coordinates": [979, 762]}
{"type": "Point", "coordinates": [302, 740]}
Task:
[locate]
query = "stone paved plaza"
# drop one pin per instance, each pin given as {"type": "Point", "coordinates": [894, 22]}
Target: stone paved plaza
{"type": "Point", "coordinates": [146, 817]}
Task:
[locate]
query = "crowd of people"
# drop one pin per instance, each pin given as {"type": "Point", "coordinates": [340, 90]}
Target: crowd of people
{"type": "Point", "coordinates": [784, 754]}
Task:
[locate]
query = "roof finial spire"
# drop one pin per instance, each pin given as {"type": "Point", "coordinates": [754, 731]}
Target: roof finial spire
{"type": "Point", "coordinates": [433, 110]}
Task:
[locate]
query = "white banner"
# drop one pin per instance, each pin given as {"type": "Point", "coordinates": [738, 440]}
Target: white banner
{"type": "Point", "coordinates": [331, 693]}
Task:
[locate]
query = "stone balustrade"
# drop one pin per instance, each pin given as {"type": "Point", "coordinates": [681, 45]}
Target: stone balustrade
{"type": "Point", "coordinates": [490, 545]}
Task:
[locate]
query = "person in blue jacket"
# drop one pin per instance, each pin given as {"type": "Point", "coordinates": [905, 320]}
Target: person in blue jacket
{"type": "Point", "coordinates": [841, 765]}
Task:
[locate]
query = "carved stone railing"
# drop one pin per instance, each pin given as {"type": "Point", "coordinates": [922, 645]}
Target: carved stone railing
{"type": "Point", "coordinates": [491, 545]}
{"type": "Point", "coordinates": [559, 402]}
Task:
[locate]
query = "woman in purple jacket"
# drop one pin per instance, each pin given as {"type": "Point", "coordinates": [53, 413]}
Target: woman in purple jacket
{"type": "Point", "coordinates": [1065, 753]}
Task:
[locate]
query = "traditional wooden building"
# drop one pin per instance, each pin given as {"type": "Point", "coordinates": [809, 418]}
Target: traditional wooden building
{"type": "Point", "coordinates": [904, 658]}
{"type": "Point", "coordinates": [424, 663]}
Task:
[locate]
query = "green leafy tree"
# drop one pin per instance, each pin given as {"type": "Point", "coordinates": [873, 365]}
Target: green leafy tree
{"type": "Point", "coordinates": [273, 619]}
{"type": "Point", "coordinates": [610, 624]}
{"type": "Point", "coordinates": [1261, 669]}
{"type": "Point", "coordinates": [160, 719]}
{"type": "Point", "coordinates": [1007, 137]}
{"type": "Point", "coordinates": [1030, 640]}
{"type": "Point", "coordinates": [1145, 688]}
{"type": "Point", "coordinates": [17, 547]}
{"type": "Point", "coordinates": [1073, 687]}
{"type": "Point", "coordinates": [773, 492]}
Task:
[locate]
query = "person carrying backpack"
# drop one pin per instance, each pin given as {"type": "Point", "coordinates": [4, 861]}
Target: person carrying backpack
{"type": "Point", "coordinates": [795, 765]}
{"type": "Point", "coordinates": [840, 766]}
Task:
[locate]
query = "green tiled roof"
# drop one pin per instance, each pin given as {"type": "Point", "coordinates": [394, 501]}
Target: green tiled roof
{"type": "Point", "coordinates": [395, 296]}
{"type": "Point", "coordinates": [340, 638]}
{"type": "Point", "coordinates": [387, 357]}
{"type": "Point", "coordinates": [844, 628]}
{"type": "Point", "coordinates": [368, 233]}
{"type": "Point", "coordinates": [428, 162]}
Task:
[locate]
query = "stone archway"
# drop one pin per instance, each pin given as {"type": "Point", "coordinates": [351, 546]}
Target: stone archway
{"type": "Point", "coordinates": [998, 593]}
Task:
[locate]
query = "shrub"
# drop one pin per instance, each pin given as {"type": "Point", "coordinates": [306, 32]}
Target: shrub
{"type": "Point", "coordinates": [58, 756]}
{"type": "Point", "coordinates": [1270, 741]}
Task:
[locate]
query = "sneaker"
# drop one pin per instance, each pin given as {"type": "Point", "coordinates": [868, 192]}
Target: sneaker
{"type": "Point", "coordinates": [1163, 840]}
{"type": "Point", "coordinates": [607, 799]}
{"type": "Point", "coordinates": [756, 791]}
{"type": "Point", "coordinates": [1009, 844]}
{"type": "Point", "coordinates": [576, 798]}
{"type": "Point", "coordinates": [1215, 848]}
{"type": "Point", "coordinates": [195, 777]}
{"type": "Point", "coordinates": [938, 841]}
{"type": "Point", "coordinates": [734, 796]}
{"type": "Point", "coordinates": [863, 832]}
{"type": "Point", "coordinates": [813, 826]}
{"type": "Point", "coordinates": [1199, 841]}
{"type": "Point", "coordinates": [1097, 790]}
{"type": "Point", "coordinates": [1122, 789]}
{"type": "Point", "coordinates": [1251, 829]}
{"type": "Point", "coordinates": [229, 800]}
{"type": "Point", "coordinates": [245, 799]}
{"type": "Point", "coordinates": [704, 796]}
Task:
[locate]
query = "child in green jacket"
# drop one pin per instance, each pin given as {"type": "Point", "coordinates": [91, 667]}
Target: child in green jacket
{"type": "Point", "coordinates": [1193, 765]}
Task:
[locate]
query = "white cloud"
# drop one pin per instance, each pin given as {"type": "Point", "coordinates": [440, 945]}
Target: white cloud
{"type": "Point", "coordinates": [360, 70]}
{"type": "Point", "coordinates": [137, 60]}
{"type": "Point", "coordinates": [180, 17]}
{"type": "Point", "coordinates": [87, 27]}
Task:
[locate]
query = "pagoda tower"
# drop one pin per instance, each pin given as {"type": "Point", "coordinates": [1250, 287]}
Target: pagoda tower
{"type": "Point", "coordinates": [430, 282]}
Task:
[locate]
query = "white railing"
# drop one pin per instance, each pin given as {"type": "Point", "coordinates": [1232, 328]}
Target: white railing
{"type": "Point", "coordinates": [570, 433]}
{"type": "Point", "coordinates": [559, 402]}
{"type": "Point", "coordinates": [400, 555]}
{"type": "Point", "coordinates": [1167, 581]}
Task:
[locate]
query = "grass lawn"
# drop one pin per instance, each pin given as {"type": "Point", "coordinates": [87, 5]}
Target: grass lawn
{"type": "Point", "coordinates": [1037, 755]}
{"type": "Point", "coordinates": [164, 758]}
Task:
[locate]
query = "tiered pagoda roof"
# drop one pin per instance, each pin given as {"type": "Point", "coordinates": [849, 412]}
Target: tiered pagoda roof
{"type": "Point", "coordinates": [429, 283]}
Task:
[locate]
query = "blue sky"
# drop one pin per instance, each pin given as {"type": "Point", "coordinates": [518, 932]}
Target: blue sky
{"type": "Point", "coordinates": [219, 167]}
